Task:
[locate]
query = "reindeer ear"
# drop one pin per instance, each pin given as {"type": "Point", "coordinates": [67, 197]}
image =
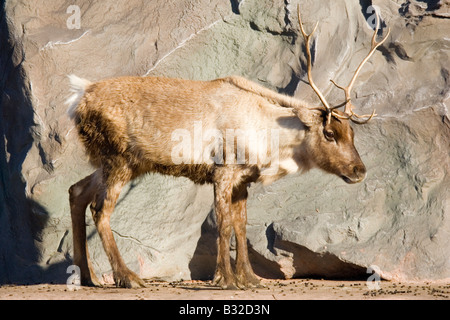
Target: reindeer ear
{"type": "Point", "coordinates": [308, 116]}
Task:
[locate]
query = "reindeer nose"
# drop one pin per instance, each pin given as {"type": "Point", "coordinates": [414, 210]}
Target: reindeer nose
{"type": "Point", "coordinates": [359, 171]}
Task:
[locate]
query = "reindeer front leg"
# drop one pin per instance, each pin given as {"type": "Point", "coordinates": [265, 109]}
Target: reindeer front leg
{"type": "Point", "coordinates": [244, 272]}
{"type": "Point", "coordinates": [223, 276]}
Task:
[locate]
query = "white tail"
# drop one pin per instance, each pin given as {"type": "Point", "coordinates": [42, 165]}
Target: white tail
{"type": "Point", "coordinates": [78, 86]}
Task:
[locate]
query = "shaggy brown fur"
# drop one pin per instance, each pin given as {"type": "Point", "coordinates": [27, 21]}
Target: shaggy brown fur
{"type": "Point", "coordinates": [127, 126]}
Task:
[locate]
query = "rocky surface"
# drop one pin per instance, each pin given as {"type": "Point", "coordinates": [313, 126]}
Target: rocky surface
{"type": "Point", "coordinates": [306, 225]}
{"type": "Point", "coordinates": [298, 289]}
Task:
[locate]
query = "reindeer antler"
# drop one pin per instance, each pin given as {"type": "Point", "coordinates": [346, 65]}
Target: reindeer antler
{"type": "Point", "coordinates": [347, 90]}
{"type": "Point", "coordinates": [307, 37]}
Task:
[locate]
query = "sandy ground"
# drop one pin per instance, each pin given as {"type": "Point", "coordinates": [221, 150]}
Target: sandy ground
{"type": "Point", "coordinates": [300, 289]}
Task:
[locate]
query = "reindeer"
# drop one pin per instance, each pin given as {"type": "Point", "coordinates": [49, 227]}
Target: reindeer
{"type": "Point", "coordinates": [126, 125]}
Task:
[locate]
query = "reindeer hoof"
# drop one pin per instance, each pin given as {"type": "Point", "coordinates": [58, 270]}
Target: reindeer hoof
{"type": "Point", "coordinates": [226, 282]}
{"type": "Point", "coordinates": [232, 282]}
{"type": "Point", "coordinates": [91, 281]}
{"type": "Point", "coordinates": [249, 282]}
{"type": "Point", "coordinates": [129, 280]}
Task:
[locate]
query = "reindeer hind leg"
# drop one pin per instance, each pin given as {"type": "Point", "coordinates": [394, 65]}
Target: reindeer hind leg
{"type": "Point", "coordinates": [102, 207]}
{"type": "Point", "coordinates": [81, 195]}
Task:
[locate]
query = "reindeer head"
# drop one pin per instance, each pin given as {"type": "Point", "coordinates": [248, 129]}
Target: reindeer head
{"type": "Point", "coordinates": [329, 146]}
{"type": "Point", "coordinates": [330, 137]}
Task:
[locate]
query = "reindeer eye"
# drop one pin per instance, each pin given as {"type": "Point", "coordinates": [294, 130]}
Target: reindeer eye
{"type": "Point", "coordinates": [329, 135]}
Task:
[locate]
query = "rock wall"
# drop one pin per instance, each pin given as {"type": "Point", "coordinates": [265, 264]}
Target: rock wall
{"type": "Point", "coordinates": [306, 225]}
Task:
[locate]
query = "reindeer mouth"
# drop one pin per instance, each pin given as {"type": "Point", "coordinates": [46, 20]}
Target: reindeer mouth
{"type": "Point", "coordinates": [352, 180]}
